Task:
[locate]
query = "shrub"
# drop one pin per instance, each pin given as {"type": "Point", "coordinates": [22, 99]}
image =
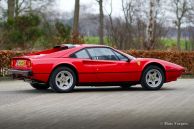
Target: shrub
{"type": "Point", "coordinates": [185, 59]}
{"type": "Point", "coordinates": [5, 60]}
{"type": "Point", "coordinates": [64, 31]}
{"type": "Point", "coordinates": [21, 31]}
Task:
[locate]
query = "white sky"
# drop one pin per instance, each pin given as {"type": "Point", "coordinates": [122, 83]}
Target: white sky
{"type": "Point", "coordinates": [68, 6]}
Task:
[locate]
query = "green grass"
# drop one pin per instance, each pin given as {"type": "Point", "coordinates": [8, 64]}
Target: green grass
{"type": "Point", "coordinates": [168, 43]}
{"type": "Point", "coordinates": [173, 43]}
{"type": "Point", "coordinates": [94, 40]}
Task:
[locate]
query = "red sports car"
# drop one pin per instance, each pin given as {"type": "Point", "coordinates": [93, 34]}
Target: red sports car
{"type": "Point", "coordinates": [66, 66]}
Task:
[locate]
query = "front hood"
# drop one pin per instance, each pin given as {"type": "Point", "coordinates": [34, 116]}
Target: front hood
{"type": "Point", "coordinates": [166, 64]}
{"type": "Point", "coordinates": [152, 60]}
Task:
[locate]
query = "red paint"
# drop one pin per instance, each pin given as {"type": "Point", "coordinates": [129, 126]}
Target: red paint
{"type": "Point", "coordinates": [43, 63]}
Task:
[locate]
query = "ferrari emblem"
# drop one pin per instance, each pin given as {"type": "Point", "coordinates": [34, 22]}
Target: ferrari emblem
{"type": "Point", "coordinates": [138, 63]}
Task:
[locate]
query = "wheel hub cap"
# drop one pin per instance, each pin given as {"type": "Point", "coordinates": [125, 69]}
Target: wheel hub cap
{"type": "Point", "coordinates": [64, 80]}
{"type": "Point", "coordinates": [153, 78]}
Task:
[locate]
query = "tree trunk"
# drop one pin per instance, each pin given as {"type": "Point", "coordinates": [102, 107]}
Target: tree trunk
{"type": "Point", "coordinates": [101, 20]}
{"type": "Point", "coordinates": [76, 18]}
{"type": "Point", "coordinates": [151, 26]}
{"type": "Point", "coordinates": [30, 6]}
{"type": "Point", "coordinates": [11, 9]}
{"type": "Point", "coordinates": [16, 8]}
{"type": "Point", "coordinates": [179, 37]}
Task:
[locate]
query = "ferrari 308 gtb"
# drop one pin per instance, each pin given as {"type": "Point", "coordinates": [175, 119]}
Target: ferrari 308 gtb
{"type": "Point", "coordinates": [66, 66]}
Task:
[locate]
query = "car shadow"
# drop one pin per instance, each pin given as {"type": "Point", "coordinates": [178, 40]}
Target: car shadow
{"type": "Point", "coordinates": [115, 89]}
{"type": "Point", "coordinates": [26, 91]}
{"type": "Point", "coordinates": [84, 90]}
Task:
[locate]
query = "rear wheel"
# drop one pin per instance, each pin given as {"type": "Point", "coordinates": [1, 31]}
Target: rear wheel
{"type": "Point", "coordinates": [39, 86]}
{"type": "Point", "coordinates": [62, 79]}
{"type": "Point", "coordinates": [153, 78]}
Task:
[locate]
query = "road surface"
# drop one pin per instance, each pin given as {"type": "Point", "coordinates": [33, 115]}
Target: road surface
{"type": "Point", "coordinates": [22, 107]}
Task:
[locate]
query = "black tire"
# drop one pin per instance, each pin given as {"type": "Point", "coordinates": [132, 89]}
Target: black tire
{"type": "Point", "coordinates": [39, 86]}
{"type": "Point", "coordinates": [52, 80]}
{"type": "Point", "coordinates": [144, 83]}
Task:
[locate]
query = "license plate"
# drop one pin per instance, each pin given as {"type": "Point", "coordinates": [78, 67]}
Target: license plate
{"type": "Point", "coordinates": [20, 63]}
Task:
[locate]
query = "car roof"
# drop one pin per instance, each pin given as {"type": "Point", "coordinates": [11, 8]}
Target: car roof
{"type": "Point", "coordinates": [78, 45]}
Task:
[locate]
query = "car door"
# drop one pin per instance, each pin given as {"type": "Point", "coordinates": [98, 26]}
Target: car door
{"type": "Point", "coordinates": [110, 67]}
{"type": "Point", "coordinates": [85, 66]}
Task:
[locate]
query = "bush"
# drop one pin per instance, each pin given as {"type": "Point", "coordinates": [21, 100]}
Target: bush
{"type": "Point", "coordinates": [5, 60]}
{"type": "Point", "coordinates": [21, 31]}
{"type": "Point", "coordinates": [185, 59]}
{"type": "Point", "coordinates": [64, 31]}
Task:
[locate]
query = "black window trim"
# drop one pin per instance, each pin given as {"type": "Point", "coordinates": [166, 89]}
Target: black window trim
{"type": "Point", "coordinates": [79, 51]}
{"type": "Point", "coordinates": [107, 48]}
{"type": "Point", "coordinates": [90, 57]}
{"type": "Point", "coordinates": [120, 54]}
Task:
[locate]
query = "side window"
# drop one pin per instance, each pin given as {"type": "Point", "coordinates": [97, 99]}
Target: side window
{"type": "Point", "coordinates": [81, 54]}
{"type": "Point", "coordinates": [92, 53]}
{"type": "Point", "coordinates": [102, 54]}
{"type": "Point", "coordinates": [121, 57]}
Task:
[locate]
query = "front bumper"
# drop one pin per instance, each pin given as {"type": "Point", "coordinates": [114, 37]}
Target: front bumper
{"type": "Point", "coordinates": [20, 73]}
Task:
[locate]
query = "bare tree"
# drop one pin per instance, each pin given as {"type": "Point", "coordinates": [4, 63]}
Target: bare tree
{"type": "Point", "coordinates": [101, 21]}
{"type": "Point", "coordinates": [128, 11]}
{"type": "Point", "coordinates": [122, 32]}
{"type": "Point", "coordinates": [110, 26]}
{"type": "Point", "coordinates": [11, 9]}
{"type": "Point", "coordinates": [141, 28]}
{"type": "Point", "coordinates": [29, 6]}
{"type": "Point", "coordinates": [1, 9]}
{"type": "Point", "coordinates": [151, 25]}
{"type": "Point", "coordinates": [155, 28]}
{"type": "Point", "coordinates": [76, 18]}
{"type": "Point", "coordinates": [181, 9]}
{"type": "Point", "coordinates": [18, 7]}
{"type": "Point", "coordinates": [129, 32]}
{"type": "Point", "coordinates": [191, 37]}
{"type": "Point", "coordinates": [88, 22]}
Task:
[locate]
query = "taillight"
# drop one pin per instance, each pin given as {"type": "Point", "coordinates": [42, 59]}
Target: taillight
{"type": "Point", "coordinates": [21, 63]}
{"type": "Point", "coordinates": [28, 64]}
{"type": "Point", "coordinates": [13, 63]}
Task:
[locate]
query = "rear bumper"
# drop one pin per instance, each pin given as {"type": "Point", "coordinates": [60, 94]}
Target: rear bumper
{"type": "Point", "coordinates": [20, 73]}
{"type": "Point", "coordinates": [28, 75]}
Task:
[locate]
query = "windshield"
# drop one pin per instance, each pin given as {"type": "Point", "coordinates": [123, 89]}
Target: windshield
{"type": "Point", "coordinates": [130, 57]}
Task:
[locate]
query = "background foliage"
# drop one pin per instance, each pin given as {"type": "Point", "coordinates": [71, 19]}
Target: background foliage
{"type": "Point", "coordinates": [185, 59]}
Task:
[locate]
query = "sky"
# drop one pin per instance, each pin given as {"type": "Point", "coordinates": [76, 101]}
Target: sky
{"type": "Point", "coordinates": [68, 6]}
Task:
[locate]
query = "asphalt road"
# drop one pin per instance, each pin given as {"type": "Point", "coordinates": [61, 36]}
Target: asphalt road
{"type": "Point", "coordinates": [22, 107]}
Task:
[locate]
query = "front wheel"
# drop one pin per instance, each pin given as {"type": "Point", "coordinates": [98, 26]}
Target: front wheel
{"type": "Point", "coordinates": [62, 80]}
{"type": "Point", "coordinates": [152, 78]}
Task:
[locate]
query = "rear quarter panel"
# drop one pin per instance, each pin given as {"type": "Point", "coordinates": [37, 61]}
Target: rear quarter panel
{"type": "Point", "coordinates": [42, 68]}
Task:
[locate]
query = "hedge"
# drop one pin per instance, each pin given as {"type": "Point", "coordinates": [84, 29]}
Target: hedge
{"type": "Point", "coordinates": [185, 59]}
{"type": "Point", "coordinates": [5, 60]}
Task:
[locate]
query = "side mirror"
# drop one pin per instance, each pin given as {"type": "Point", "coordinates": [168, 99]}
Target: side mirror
{"type": "Point", "coordinates": [128, 60]}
